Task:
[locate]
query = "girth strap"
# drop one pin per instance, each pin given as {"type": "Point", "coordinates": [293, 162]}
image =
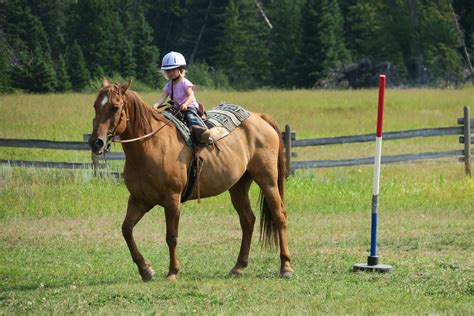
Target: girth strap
{"type": "Point", "coordinates": [193, 177]}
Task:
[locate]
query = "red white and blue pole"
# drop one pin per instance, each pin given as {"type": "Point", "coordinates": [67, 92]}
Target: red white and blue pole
{"type": "Point", "coordinates": [373, 259]}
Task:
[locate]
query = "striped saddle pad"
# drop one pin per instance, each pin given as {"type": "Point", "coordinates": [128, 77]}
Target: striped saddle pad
{"type": "Point", "coordinates": [220, 120]}
{"type": "Point", "coordinates": [228, 116]}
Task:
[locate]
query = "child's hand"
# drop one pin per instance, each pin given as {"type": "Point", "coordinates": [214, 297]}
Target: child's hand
{"type": "Point", "coordinates": [183, 107]}
{"type": "Point", "coordinates": [156, 105]}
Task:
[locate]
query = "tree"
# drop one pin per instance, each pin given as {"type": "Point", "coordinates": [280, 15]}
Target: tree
{"type": "Point", "coordinates": [120, 52]}
{"type": "Point", "coordinates": [168, 20]}
{"type": "Point", "coordinates": [90, 27]}
{"type": "Point", "coordinates": [465, 13]}
{"type": "Point", "coordinates": [20, 71]}
{"type": "Point", "coordinates": [242, 51]}
{"type": "Point", "coordinates": [285, 42]}
{"type": "Point", "coordinates": [200, 35]}
{"type": "Point", "coordinates": [441, 43]}
{"type": "Point", "coordinates": [145, 52]}
{"type": "Point", "coordinates": [5, 83]}
{"type": "Point", "coordinates": [43, 73]}
{"type": "Point", "coordinates": [63, 83]}
{"type": "Point", "coordinates": [32, 67]}
{"type": "Point", "coordinates": [53, 16]}
{"type": "Point", "coordinates": [323, 47]}
{"type": "Point", "coordinates": [76, 67]}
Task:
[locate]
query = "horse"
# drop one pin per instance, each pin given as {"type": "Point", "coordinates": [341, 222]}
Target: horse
{"type": "Point", "coordinates": [156, 168]}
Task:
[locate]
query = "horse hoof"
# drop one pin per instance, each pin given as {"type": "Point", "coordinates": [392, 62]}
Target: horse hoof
{"type": "Point", "coordinates": [236, 273]}
{"type": "Point", "coordinates": [171, 277]}
{"type": "Point", "coordinates": [286, 274]}
{"type": "Point", "coordinates": [148, 274]}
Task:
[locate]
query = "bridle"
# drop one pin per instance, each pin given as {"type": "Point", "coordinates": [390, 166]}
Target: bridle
{"type": "Point", "coordinates": [112, 133]}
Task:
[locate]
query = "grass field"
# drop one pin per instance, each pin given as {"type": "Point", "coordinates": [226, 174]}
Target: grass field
{"type": "Point", "coordinates": [61, 249]}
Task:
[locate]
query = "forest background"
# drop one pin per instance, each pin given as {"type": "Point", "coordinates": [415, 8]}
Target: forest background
{"type": "Point", "coordinates": [57, 46]}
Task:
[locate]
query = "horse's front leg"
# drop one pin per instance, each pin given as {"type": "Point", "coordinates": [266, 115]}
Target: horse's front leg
{"type": "Point", "coordinates": [135, 212]}
{"type": "Point", "coordinates": [172, 212]}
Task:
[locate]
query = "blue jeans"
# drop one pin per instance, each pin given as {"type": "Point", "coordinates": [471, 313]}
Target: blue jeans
{"type": "Point", "coordinates": [193, 119]}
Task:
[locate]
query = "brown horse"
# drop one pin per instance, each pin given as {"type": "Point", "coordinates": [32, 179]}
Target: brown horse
{"type": "Point", "coordinates": [156, 169]}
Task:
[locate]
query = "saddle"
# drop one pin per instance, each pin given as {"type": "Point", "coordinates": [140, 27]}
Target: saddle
{"type": "Point", "coordinates": [221, 121]}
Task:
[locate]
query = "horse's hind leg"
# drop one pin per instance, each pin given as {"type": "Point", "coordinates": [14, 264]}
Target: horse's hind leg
{"type": "Point", "coordinates": [280, 220]}
{"type": "Point", "coordinates": [267, 181]}
{"type": "Point", "coordinates": [135, 212]}
{"type": "Point", "coordinates": [240, 200]}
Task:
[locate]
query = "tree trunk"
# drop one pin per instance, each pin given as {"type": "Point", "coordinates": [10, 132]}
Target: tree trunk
{"type": "Point", "coordinates": [461, 36]}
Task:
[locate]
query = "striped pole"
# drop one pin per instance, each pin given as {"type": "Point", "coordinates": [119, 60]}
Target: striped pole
{"type": "Point", "coordinates": [373, 259]}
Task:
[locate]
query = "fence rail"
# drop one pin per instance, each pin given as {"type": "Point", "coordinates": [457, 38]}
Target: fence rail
{"type": "Point", "coordinates": [49, 164]}
{"type": "Point", "coordinates": [43, 144]}
{"type": "Point", "coordinates": [370, 160]}
{"type": "Point", "coordinates": [464, 130]}
{"type": "Point", "coordinates": [424, 132]}
{"type": "Point", "coordinates": [290, 140]}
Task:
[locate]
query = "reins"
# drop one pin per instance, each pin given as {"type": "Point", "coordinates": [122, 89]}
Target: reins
{"type": "Point", "coordinates": [122, 141]}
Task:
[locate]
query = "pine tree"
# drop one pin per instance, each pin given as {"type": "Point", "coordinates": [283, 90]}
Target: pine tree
{"type": "Point", "coordinates": [323, 47]}
{"type": "Point", "coordinates": [367, 27]}
{"type": "Point", "coordinates": [76, 67]}
{"type": "Point", "coordinates": [242, 51]}
{"type": "Point", "coordinates": [441, 43]}
{"type": "Point", "coordinates": [21, 72]}
{"type": "Point", "coordinates": [168, 20]}
{"type": "Point", "coordinates": [120, 52]}
{"type": "Point", "coordinates": [90, 27]}
{"type": "Point", "coordinates": [5, 83]}
{"type": "Point", "coordinates": [145, 53]}
{"type": "Point", "coordinates": [53, 15]}
{"type": "Point", "coordinates": [256, 45]}
{"type": "Point", "coordinates": [465, 11]}
{"type": "Point", "coordinates": [285, 41]}
{"type": "Point", "coordinates": [231, 49]}
{"type": "Point", "coordinates": [200, 34]}
{"type": "Point", "coordinates": [32, 54]}
{"type": "Point", "coordinates": [64, 83]}
{"type": "Point", "coordinates": [43, 73]}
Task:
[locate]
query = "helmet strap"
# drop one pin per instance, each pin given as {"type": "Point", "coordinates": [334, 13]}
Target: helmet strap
{"type": "Point", "coordinates": [178, 77]}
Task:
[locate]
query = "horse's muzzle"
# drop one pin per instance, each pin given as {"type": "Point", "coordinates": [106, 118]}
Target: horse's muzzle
{"type": "Point", "coordinates": [98, 145]}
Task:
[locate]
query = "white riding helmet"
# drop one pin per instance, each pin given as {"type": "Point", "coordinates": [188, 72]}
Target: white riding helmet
{"type": "Point", "coordinates": [173, 60]}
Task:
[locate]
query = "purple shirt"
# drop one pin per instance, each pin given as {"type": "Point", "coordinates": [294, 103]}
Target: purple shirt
{"type": "Point", "coordinates": [179, 93]}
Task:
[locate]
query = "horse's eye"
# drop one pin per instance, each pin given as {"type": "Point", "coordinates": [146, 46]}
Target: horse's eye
{"type": "Point", "coordinates": [114, 109]}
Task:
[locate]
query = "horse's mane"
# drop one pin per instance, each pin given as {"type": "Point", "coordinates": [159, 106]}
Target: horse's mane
{"type": "Point", "coordinates": [140, 114]}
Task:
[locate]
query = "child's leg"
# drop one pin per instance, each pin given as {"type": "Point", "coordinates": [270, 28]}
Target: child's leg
{"type": "Point", "coordinates": [199, 130]}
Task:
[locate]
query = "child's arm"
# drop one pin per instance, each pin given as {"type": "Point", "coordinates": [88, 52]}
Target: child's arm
{"type": "Point", "coordinates": [161, 100]}
{"type": "Point", "coordinates": [189, 99]}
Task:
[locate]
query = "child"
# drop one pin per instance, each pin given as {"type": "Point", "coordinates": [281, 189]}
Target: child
{"type": "Point", "coordinates": [181, 93]}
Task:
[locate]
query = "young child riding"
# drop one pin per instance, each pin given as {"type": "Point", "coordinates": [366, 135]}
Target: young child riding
{"type": "Point", "coordinates": [181, 93]}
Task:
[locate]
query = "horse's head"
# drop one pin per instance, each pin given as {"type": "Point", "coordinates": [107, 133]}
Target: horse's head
{"type": "Point", "coordinates": [110, 115]}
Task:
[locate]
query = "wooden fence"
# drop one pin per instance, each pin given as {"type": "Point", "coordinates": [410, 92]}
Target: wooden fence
{"type": "Point", "coordinates": [464, 130]}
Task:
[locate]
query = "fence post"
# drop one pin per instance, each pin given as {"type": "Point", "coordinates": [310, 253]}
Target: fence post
{"type": "Point", "coordinates": [95, 158]}
{"type": "Point", "coordinates": [287, 141]}
{"type": "Point", "coordinates": [467, 141]}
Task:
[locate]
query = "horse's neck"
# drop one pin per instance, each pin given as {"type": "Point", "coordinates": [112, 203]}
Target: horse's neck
{"type": "Point", "coordinates": [140, 148]}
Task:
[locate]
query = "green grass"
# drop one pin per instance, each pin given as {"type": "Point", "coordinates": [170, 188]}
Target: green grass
{"type": "Point", "coordinates": [61, 249]}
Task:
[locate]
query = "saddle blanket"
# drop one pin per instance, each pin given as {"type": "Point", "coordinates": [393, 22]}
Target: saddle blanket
{"type": "Point", "coordinates": [228, 116]}
{"type": "Point", "coordinates": [221, 120]}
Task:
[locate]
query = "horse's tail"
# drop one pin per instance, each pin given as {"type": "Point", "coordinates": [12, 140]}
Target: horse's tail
{"type": "Point", "coordinates": [268, 232]}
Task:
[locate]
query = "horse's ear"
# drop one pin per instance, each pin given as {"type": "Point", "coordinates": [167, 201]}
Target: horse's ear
{"type": "Point", "coordinates": [125, 87]}
{"type": "Point", "coordinates": [105, 83]}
